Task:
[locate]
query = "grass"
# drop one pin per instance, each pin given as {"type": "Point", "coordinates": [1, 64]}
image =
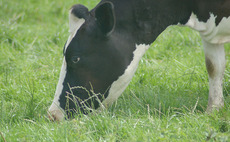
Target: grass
{"type": "Point", "coordinates": [165, 101]}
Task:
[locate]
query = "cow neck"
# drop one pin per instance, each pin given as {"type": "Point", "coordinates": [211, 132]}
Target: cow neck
{"type": "Point", "coordinates": [142, 20]}
{"type": "Point", "coordinates": [145, 20]}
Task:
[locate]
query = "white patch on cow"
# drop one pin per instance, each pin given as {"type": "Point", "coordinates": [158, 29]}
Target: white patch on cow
{"type": "Point", "coordinates": [74, 32]}
{"type": "Point", "coordinates": [74, 24]}
{"type": "Point", "coordinates": [209, 31]}
{"type": "Point", "coordinates": [122, 82]}
{"type": "Point", "coordinates": [55, 111]}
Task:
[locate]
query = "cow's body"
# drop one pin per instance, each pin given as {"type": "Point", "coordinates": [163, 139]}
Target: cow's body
{"type": "Point", "coordinates": [107, 43]}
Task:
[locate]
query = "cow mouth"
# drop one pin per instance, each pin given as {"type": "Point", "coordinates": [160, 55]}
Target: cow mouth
{"type": "Point", "coordinates": [55, 114]}
{"type": "Point", "coordinates": [80, 100]}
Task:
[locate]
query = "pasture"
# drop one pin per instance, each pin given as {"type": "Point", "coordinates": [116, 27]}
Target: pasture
{"type": "Point", "coordinates": [166, 100]}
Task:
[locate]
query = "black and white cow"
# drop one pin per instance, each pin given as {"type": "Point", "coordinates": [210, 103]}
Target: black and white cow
{"type": "Point", "coordinates": [106, 44]}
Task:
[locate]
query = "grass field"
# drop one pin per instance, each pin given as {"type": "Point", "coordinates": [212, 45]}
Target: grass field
{"type": "Point", "coordinates": [165, 101]}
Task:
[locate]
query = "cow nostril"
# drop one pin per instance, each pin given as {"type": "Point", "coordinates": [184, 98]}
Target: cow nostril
{"type": "Point", "coordinates": [75, 59]}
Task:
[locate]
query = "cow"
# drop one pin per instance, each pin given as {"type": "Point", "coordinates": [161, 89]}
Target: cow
{"type": "Point", "coordinates": [106, 44]}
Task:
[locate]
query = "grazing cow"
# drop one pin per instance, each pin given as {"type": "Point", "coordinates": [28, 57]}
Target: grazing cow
{"type": "Point", "coordinates": [105, 45]}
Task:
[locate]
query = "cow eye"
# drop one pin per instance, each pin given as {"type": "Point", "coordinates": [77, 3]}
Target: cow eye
{"type": "Point", "coordinates": [75, 59]}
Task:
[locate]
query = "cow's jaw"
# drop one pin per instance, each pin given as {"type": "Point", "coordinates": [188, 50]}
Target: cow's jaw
{"type": "Point", "coordinates": [122, 82]}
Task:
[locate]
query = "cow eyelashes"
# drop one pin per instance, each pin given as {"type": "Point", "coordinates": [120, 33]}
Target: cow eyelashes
{"type": "Point", "coordinates": [75, 59]}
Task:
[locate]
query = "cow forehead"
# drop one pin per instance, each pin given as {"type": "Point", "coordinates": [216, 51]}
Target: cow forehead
{"type": "Point", "coordinates": [75, 25]}
{"type": "Point", "coordinates": [119, 85]}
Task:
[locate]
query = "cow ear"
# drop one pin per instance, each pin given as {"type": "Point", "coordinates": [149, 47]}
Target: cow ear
{"type": "Point", "coordinates": [77, 15]}
{"type": "Point", "coordinates": [105, 17]}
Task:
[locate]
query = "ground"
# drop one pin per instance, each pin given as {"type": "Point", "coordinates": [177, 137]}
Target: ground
{"type": "Point", "coordinates": [165, 101]}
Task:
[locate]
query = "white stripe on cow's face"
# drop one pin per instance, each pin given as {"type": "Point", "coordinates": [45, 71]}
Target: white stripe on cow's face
{"type": "Point", "coordinates": [74, 24]}
{"type": "Point", "coordinates": [122, 82]}
{"type": "Point", "coordinates": [209, 31]}
{"type": "Point", "coordinates": [55, 111]}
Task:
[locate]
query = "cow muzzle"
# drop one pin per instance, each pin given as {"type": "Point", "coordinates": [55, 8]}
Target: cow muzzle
{"type": "Point", "coordinates": [55, 113]}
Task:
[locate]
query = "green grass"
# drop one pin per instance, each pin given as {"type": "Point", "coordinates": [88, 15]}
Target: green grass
{"type": "Point", "coordinates": [158, 105]}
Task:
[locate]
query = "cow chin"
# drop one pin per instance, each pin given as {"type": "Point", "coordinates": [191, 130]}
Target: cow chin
{"type": "Point", "coordinates": [55, 113]}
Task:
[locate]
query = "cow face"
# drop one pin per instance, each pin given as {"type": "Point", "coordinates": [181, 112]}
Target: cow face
{"type": "Point", "coordinates": [92, 61]}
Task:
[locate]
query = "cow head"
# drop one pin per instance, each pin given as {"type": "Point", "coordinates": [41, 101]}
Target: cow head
{"type": "Point", "coordinates": [93, 60]}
